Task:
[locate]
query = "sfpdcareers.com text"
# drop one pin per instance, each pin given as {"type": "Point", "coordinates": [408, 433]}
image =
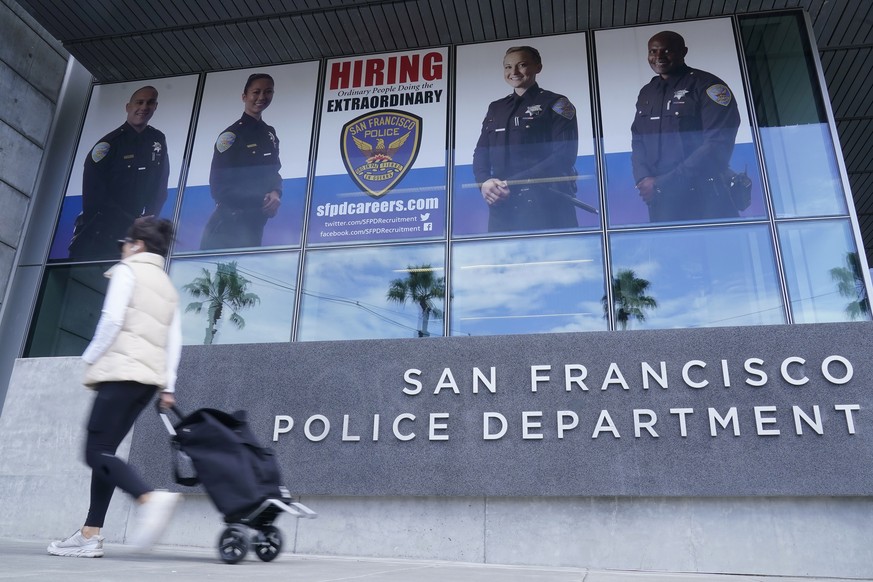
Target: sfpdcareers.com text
{"type": "Point", "coordinates": [376, 206]}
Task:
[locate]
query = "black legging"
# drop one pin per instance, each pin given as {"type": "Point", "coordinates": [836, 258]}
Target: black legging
{"type": "Point", "coordinates": [116, 408]}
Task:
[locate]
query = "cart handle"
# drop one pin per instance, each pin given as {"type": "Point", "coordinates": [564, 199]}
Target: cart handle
{"type": "Point", "coordinates": [165, 418]}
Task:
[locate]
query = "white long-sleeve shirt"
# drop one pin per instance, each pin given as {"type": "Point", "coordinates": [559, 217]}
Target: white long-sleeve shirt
{"type": "Point", "coordinates": [118, 297]}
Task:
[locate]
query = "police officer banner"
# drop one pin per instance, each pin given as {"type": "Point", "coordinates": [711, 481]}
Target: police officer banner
{"type": "Point", "coordinates": [127, 164]}
{"type": "Point", "coordinates": [246, 185]}
{"type": "Point", "coordinates": [524, 149]}
{"type": "Point", "coordinates": [676, 125]}
{"type": "Point", "coordinates": [381, 164]}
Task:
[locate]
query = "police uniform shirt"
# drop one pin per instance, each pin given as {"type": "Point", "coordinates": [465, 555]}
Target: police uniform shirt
{"type": "Point", "coordinates": [245, 164]}
{"type": "Point", "coordinates": [533, 136]}
{"type": "Point", "coordinates": [125, 176]}
{"type": "Point", "coordinates": [684, 129]}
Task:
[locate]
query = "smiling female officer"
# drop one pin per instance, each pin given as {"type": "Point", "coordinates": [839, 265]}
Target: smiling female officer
{"type": "Point", "coordinates": [244, 179]}
{"type": "Point", "coordinates": [524, 159]}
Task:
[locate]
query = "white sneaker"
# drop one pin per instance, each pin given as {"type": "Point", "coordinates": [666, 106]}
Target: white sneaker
{"type": "Point", "coordinates": [78, 546]}
{"type": "Point", "coordinates": [153, 517]}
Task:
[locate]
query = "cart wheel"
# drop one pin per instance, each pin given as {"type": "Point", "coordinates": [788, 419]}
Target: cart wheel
{"type": "Point", "coordinates": [233, 544]}
{"type": "Point", "coordinates": [268, 543]}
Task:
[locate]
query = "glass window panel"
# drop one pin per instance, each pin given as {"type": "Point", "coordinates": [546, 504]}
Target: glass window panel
{"type": "Point", "coordinates": [708, 277]}
{"type": "Point", "coordinates": [236, 299]}
{"type": "Point", "coordinates": [366, 293]}
{"type": "Point", "coordinates": [825, 280]}
{"type": "Point", "coordinates": [798, 147]}
{"type": "Point", "coordinates": [535, 285]}
{"type": "Point", "coordinates": [803, 173]}
{"type": "Point", "coordinates": [67, 311]}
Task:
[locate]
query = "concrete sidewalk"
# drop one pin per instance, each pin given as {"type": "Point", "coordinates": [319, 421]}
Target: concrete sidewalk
{"type": "Point", "coordinates": [28, 561]}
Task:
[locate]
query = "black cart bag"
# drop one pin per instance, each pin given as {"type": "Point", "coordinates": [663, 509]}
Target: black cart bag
{"type": "Point", "coordinates": [236, 471]}
{"type": "Point", "coordinates": [241, 477]}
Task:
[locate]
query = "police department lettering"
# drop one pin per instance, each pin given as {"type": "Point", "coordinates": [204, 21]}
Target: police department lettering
{"type": "Point", "coordinates": [579, 416]}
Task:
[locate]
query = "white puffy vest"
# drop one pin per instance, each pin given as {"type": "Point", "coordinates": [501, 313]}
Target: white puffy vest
{"type": "Point", "coordinates": [139, 353]}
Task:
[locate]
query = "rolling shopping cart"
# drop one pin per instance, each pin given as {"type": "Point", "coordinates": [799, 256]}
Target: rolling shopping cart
{"type": "Point", "coordinates": [241, 477]}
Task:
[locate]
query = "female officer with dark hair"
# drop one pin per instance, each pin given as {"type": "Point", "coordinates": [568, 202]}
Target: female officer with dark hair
{"type": "Point", "coordinates": [134, 353]}
{"type": "Point", "coordinates": [244, 179]}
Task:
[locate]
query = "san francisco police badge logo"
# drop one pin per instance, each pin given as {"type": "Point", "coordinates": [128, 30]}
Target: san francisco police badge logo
{"type": "Point", "coordinates": [379, 148]}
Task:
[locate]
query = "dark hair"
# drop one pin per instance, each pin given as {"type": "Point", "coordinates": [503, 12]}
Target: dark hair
{"type": "Point", "coordinates": [526, 49]}
{"type": "Point", "coordinates": [155, 233]}
{"type": "Point", "coordinates": [255, 77]}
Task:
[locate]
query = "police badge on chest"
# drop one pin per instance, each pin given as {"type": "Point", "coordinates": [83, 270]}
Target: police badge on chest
{"type": "Point", "coordinates": [533, 111]}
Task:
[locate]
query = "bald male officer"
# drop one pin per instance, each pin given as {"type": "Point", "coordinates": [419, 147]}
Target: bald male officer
{"type": "Point", "coordinates": [125, 177]}
{"type": "Point", "coordinates": [683, 136]}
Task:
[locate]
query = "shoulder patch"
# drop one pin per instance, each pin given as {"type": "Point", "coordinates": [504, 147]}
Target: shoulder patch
{"type": "Point", "coordinates": [564, 108]}
{"type": "Point", "coordinates": [100, 150]}
{"type": "Point", "coordinates": [224, 141]}
{"type": "Point", "coordinates": [720, 94]}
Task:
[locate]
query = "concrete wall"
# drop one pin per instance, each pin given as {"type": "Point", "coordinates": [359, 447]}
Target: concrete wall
{"type": "Point", "coordinates": [44, 491]}
{"type": "Point", "coordinates": [32, 67]}
{"type": "Point", "coordinates": [44, 482]}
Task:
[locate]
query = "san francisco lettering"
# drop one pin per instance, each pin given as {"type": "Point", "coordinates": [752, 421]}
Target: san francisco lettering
{"type": "Point", "coordinates": [576, 418]}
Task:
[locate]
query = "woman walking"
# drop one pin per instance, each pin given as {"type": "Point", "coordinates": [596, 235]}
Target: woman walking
{"type": "Point", "coordinates": [135, 353]}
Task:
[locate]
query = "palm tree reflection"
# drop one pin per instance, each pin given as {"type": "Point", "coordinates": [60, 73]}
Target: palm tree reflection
{"type": "Point", "coordinates": [629, 299]}
{"type": "Point", "coordinates": [226, 289]}
{"type": "Point", "coordinates": [424, 289]}
{"type": "Point", "coordinates": [850, 284]}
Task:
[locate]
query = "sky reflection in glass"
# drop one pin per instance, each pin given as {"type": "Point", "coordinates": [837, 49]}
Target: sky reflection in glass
{"type": "Point", "coordinates": [802, 169]}
{"type": "Point", "coordinates": [818, 255]}
{"type": "Point", "coordinates": [538, 285]}
{"type": "Point", "coordinates": [271, 277]}
{"type": "Point", "coordinates": [705, 277]}
{"type": "Point", "coordinates": [345, 293]}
